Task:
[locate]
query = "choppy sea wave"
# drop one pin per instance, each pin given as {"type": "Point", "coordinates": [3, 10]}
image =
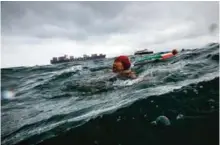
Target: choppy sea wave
{"type": "Point", "coordinates": [83, 104]}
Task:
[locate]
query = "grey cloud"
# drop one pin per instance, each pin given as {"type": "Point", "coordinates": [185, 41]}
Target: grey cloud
{"type": "Point", "coordinates": [98, 18]}
{"type": "Point", "coordinates": [106, 9]}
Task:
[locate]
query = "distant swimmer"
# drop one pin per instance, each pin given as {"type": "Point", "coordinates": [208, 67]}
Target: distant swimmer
{"type": "Point", "coordinates": [169, 55]}
{"type": "Point", "coordinates": [122, 66]}
{"type": "Point", "coordinates": [156, 57]}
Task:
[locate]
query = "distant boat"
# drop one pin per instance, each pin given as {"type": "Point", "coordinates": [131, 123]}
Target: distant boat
{"type": "Point", "coordinates": [64, 58]}
{"type": "Point", "coordinates": [145, 51]}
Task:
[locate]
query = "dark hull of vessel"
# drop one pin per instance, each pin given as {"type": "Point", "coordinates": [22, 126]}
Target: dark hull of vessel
{"type": "Point", "coordinates": [140, 53]}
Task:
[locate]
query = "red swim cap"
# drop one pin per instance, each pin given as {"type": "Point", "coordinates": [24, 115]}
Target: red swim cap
{"type": "Point", "coordinates": [124, 60]}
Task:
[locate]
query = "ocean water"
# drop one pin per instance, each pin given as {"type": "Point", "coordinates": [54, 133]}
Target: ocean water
{"type": "Point", "coordinates": [84, 104]}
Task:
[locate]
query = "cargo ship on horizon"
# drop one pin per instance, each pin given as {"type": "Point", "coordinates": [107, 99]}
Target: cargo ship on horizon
{"type": "Point", "coordinates": [64, 58]}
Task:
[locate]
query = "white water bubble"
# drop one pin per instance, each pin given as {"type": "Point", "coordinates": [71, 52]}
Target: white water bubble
{"type": "Point", "coordinates": [185, 91]}
{"type": "Point", "coordinates": [118, 119]}
{"type": "Point", "coordinates": [154, 122]}
{"type": "Point", "coordinates": [195, 91]}
{"type": "Point", "coordinates": [180, 116]}
{"type": "Point", "coordinates": [211, 100]}
{"type": "Point", "coordinates": [96, 142]}
{"type": "Point", "coordinates": [161, 120]}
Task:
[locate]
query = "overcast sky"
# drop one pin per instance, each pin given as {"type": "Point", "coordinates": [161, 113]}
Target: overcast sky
{"type": "Point", "coordinates": [34, 32]}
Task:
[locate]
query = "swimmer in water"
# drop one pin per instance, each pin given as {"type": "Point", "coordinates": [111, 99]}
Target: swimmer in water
{"type": "Point", "coordinates": [169, 55]}
{"type": "Point", "coordinates": [122, 66]}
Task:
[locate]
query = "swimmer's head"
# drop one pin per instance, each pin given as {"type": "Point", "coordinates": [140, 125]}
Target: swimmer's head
{"type": "Point", "coordinates": [121, 63]}
{"type": "Point", "coordinates": [117, 67]}
{"type": "Point", "coordinates": [174, 51]}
